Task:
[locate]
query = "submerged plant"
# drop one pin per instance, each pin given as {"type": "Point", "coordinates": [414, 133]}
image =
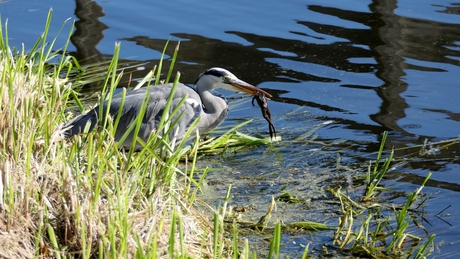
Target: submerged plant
{"type": "Point", "coordinates": [375, 175]}
{"type": "Point", "coordinates": [367, 228]}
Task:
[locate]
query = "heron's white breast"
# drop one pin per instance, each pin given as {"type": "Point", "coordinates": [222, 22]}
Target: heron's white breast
{"type": "Point", "coordinates": [192, 102]}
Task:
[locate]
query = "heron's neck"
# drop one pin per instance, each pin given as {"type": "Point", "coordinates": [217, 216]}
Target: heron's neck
{"type": "Point", "coordinates": [215, 110]}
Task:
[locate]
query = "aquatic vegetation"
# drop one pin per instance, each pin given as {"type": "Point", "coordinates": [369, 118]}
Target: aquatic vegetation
{"type": "Point", "coordinates": [368, 228]}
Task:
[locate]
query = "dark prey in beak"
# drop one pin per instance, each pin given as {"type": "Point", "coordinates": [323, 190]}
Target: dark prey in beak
{"type": "Point", "coordinates": [262, 102]}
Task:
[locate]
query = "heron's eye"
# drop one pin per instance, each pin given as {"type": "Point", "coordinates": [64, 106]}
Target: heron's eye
{"type": "Point", "coordinates": [225, 79]}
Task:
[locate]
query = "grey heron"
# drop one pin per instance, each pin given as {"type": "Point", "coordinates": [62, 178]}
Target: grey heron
{"type": "Point", "coordinates": [200, 102]}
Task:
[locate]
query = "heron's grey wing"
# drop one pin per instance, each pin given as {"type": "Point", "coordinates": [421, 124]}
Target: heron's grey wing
{"type": "Point", "coordinates": [130, 111]}
{"type": "Point", "coordinates": [78, 124]}
{"type": "Point", "coordinates": [187, 113]}
{"type": "Point", "coordinates": [158, 96]}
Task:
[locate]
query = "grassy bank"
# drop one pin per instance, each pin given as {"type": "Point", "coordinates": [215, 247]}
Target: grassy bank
{"type": "Point", "coordinates": [85, 197]}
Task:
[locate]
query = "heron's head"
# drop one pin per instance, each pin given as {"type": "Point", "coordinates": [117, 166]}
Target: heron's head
{"type": "Point", "coordinates": [217, 77]}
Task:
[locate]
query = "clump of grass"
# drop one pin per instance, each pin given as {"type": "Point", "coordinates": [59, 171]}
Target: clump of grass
{"type": "Point", "coordinates": [85, 197]}
{"type": "Point", "coordinates": [230, 140]}
{"type": "Point", "coordinates": [368, 228]}
{"type": "Point", "coordinates": [30, 102]}
{"type": "Point", "coordinates": [375, 174]}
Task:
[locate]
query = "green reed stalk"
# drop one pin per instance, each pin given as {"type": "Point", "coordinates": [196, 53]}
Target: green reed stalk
{"type": "Point", "coordinates": [171, 67]}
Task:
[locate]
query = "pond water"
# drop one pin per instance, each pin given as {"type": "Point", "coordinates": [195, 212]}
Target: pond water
{"type": "Point", "coordinates": [356, 68]}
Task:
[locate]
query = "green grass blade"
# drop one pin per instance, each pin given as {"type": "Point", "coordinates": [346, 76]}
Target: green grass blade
{"type": "Point", "coordinates": [160, 64]}
{"type": "Point", "coordinates": [305, 252]}
{"type": "Point", "coordinates": [166, 111]}
{"type": "Point", "coordinates": [171, 67]}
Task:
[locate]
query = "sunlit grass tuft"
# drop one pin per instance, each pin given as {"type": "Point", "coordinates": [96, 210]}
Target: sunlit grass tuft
{"type": "Point", "coordinates": [84, 197]}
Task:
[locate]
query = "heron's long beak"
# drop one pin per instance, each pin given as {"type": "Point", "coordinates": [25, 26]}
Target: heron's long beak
{"type": "Point", "coordinates": [247, 88]}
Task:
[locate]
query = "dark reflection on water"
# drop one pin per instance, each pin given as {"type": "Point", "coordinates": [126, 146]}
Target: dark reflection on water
{"type": "Point", "coordinates": [455, 9]}
{"type": "Point", "coordinates": [381, 67]}
{"type": "Point", "coordinates": [88, 32]}
{"type": "Point", "coordinates": [391, 39]}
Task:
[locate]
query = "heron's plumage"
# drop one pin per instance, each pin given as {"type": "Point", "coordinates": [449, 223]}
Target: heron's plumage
{"type": "Point", "coordinates": [200, 102]}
